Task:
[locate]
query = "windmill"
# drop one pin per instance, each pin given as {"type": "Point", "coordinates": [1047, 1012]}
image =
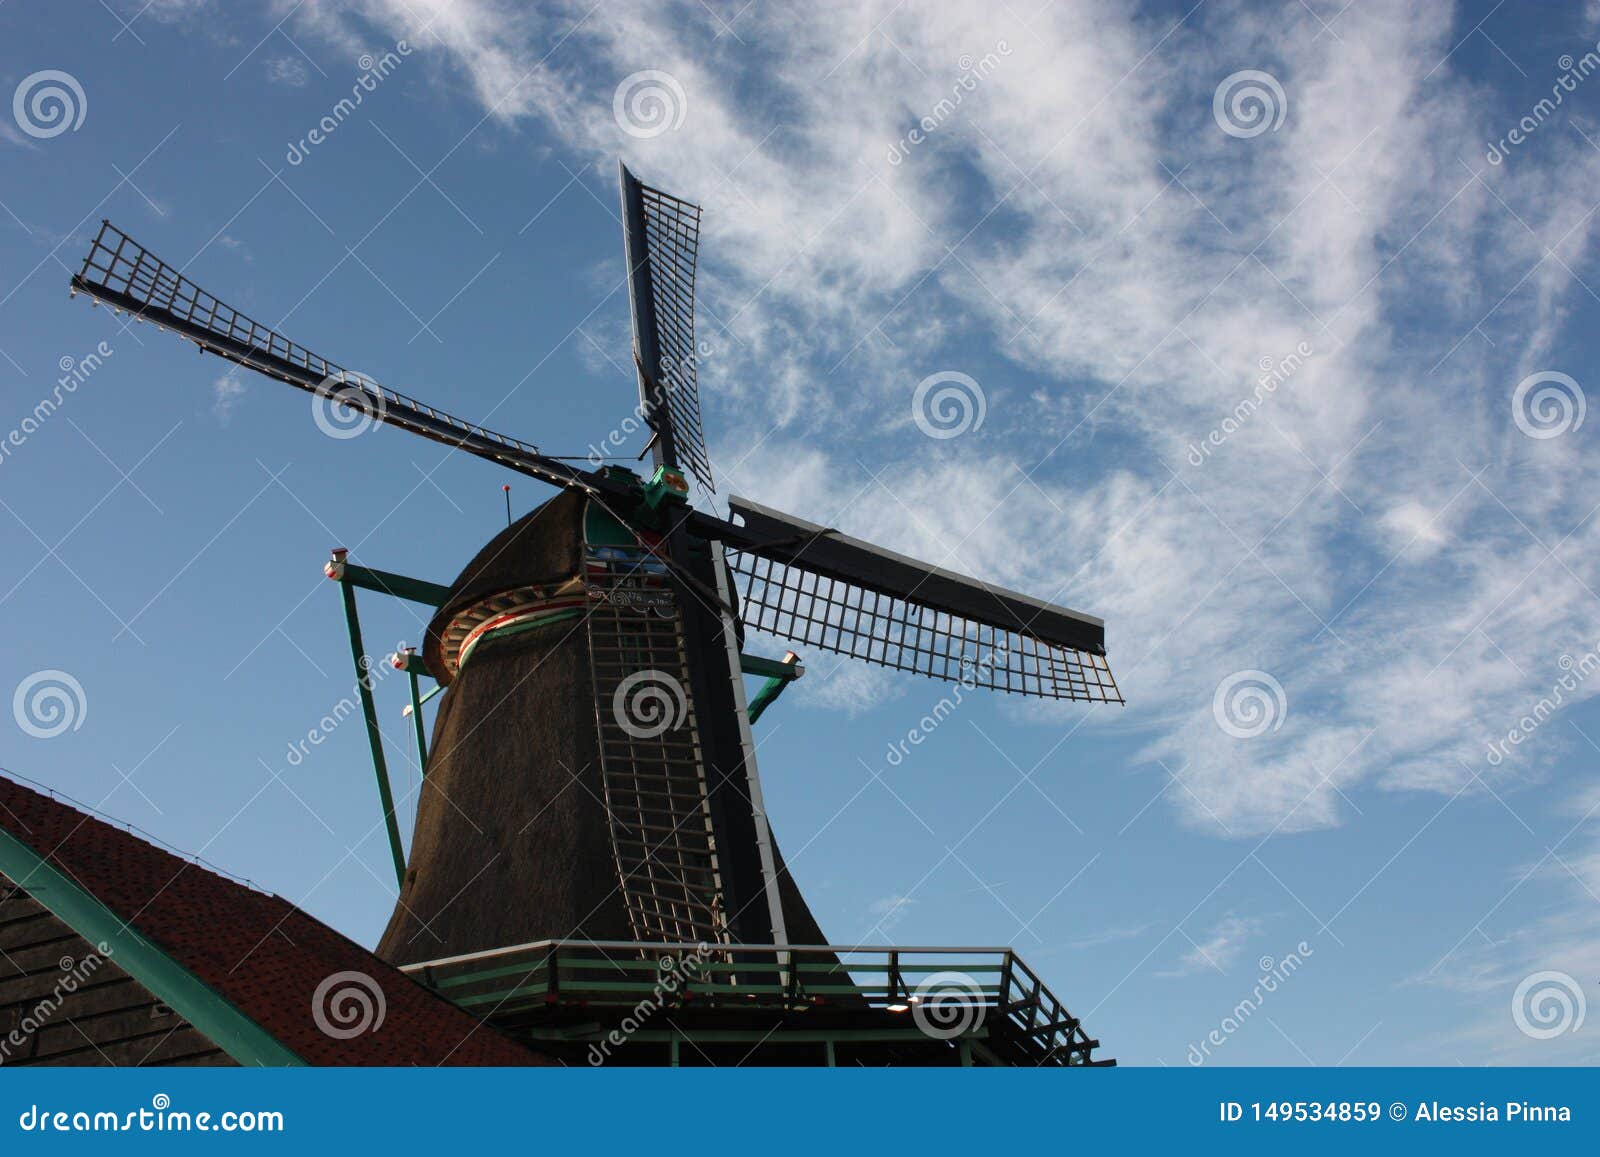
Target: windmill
{"type": "Point", "coordinates": [592, 783]}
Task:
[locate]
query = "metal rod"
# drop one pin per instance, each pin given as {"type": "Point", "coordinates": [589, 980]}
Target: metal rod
{"type": "Point", "coordinates": [507, 489]}
{"type": "Point", "coordinates": [374, 737]}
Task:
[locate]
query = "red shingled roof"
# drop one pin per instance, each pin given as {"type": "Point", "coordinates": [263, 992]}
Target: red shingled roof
{"type": "Point", "coordinates": [261, 953]}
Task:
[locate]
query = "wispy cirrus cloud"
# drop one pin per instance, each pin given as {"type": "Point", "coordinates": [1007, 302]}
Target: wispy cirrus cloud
{"type": "Point", "coordinates": [1080, 227]}
{"type": "Point", "coordinates": [1221, 947]}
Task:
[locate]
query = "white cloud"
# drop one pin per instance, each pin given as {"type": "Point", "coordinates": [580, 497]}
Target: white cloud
{"type": "Point", "coordinates": [1221, 947]}
{"type": "Point", "coordinates": [840, 685]}
{"type": "Point", "coordinates": [225, 394]}
{"type": "Point", "coordinates": [11, 136]}
{"type": "Point", "coordinates": [289, 71]}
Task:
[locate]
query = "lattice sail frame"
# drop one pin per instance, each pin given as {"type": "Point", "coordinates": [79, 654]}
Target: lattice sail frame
{"type": "Point", "coordinates": [126, 275]}
{"type": "Point", "coordinates": [672, 244]}
{"type": "Point", "coordinates": [793, 603]}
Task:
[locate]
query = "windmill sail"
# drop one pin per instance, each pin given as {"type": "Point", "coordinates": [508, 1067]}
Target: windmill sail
{"type": "Point", "coordinates": [824, 589]}
{"type": "Point", "coordinates": [124, 274]}
{"type": "Point", "coordinates": [661, 235]}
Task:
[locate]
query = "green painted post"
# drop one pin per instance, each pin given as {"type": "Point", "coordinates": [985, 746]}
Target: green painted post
{"type": "Point", "coordinates": [374, 737]}
{"type": "Point", "coordinates": [416, 719]}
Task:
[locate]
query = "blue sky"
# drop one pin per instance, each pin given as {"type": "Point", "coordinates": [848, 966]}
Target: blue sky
{"type": "Point", "coordinates": [1326, 598]}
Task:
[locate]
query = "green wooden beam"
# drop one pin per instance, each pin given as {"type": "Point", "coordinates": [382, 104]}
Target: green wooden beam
{"type": "Point", "coordinates": [207, 1010]}
{"type": "Point", "coordinates": [785, 669]}
{"type": "Point", "coordinates": [780, 673]}
{"type": "Point", "coordinates": [416, 719]}
{"type": "Point", "coordinates": [374, 736]}
{"type": "Point", "coordinates": [398, 585]}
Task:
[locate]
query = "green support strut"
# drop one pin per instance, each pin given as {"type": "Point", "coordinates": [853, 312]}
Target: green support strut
{"type": "Point", "coordinates": [779, 675]}
{"type": "Point", "coordinates": [374, 737]}
{"type": "Point", "coordinates": [416, 719]}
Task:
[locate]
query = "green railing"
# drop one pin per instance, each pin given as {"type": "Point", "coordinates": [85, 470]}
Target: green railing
{"type": "Point", "coordinates": [946, 993]}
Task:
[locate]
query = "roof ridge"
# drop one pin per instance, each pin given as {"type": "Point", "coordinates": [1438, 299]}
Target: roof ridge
{"type": "Point", "coordinates": [171, 849]}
